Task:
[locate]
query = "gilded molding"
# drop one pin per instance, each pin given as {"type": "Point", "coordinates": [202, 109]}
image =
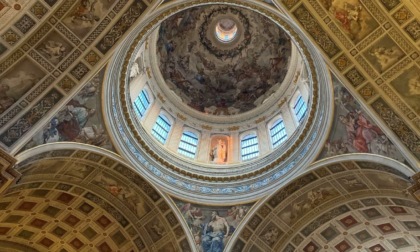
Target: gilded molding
{"type": "Point", "coordinates": [8, 174]}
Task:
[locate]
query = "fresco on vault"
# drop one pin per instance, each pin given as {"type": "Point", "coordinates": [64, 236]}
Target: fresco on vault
{"type": "Point", "coordinates": [46, 166]}
{"type": "Point", "coordinates": [307, 202]}
{"type": "Point", "coordinates": [383, 54]}
{"type": "Point", "coordinates": [352, 17]}
{"type": "Point", "coordinates": [217, 80]}
{"type": "Point", "coordinates": [353, 131]}
{"type": "Point", "coordinates": [85, 15]}
{"type": "Point", "coordinates": [15, 83]}
{"type": "Point", "coordinates": [122, 192]}
{"type": "Point", "coordinates": [384, 181]}
{"type": "Point", "coordinates": [407, 86]}
{"type": "Point", "coordinates": [168, 247]}
{"type": "Point", "coordinates": [54, 47]}
{"type": "Point", "coordinates": [79, 121]}
{"type": "Point", "coordinates": [212, 226]}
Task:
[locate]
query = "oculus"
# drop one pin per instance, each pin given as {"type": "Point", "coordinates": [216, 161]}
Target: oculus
{"type": "Point", "coordinates": [226, 30]}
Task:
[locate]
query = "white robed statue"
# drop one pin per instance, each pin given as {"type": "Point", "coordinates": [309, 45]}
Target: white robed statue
{"type": "Point", "coordinates": [219, 153]}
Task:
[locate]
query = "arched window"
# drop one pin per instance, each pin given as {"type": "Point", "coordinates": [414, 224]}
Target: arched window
{"type": "Point", "coordinates": [161, 128]}
{"type": "Point", "coordinates": [300, 108]}
{"type": "Point", "coordinates": [278, 133]}
{"type": "Point", "coordinates": [249, 147]}
{"type": "Point", "coordinates": [142, 103]}
{"type": "Point", "coordinates": [188, 144]}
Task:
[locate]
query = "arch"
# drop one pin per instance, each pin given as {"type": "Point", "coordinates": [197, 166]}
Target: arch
{"type": "Point", "coordinates": [85, 188]}
{"type": "Point", "coordinates": [15, 246]}
{"type": "Point", "coordinates": [327, 193]}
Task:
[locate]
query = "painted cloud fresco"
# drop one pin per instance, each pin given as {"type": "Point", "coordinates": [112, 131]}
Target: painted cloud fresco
{"type": "Point", "coordinates": [86, 14]}
{"type": "Point", "coordinates": [408, 86]}
{"type": "Point", "coordinates": [352, 17]}
{"type": "Point", "coordinates": [212, 226]}
{"type": "Point", "coordinates": [383, 54]}
{"type": "Point", "coordinates": [216, 78]}
{"type": "Point", "coordinates": [353, 131]}
{"type": "Point", "coordinates": [79, 121]}
{"type": "Point", "coordinates": [17, 82]}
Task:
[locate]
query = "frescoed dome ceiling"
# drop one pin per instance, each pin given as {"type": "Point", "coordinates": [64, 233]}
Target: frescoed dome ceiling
{"type": "Point", "coordinates": [228, 75]}
{"type": "Point", "coordinates": [250, 62]}
{"type": "Point", "coordinates": [72, 199]}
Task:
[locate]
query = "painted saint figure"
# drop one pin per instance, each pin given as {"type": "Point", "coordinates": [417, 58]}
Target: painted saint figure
{"type": "Point", "coordinates": [214, 233]}
{"type": "Point", "coordinates": [86, 12]}
{"type": "Point", "coordinates": [414, 86]}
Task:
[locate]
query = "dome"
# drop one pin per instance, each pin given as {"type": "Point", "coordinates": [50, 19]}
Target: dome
{"type": "Point", "coordinates": [194, 103]}
{"type": "Point", "coordinates": [212, 58]}
{"type": "Point", "coordinates": [100, 151]}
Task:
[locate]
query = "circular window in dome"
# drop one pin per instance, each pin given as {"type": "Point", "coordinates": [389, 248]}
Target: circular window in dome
{"type": "Point", "coordinates": [226, 30]}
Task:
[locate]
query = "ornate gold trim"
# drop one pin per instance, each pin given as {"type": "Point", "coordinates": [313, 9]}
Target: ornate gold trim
{"type": "Point", "coordinates": [8, 174]}
{"type": "Point", "coordinates": [414, 190]}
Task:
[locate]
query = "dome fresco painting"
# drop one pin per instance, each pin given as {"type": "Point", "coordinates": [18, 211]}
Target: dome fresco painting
{"type": "Point", "coordinates": [227, 76]}
{"type": "Point", "coordinates": [216, 77]}
{"type": "Point", "coordinates": [104, 152]}
{"type": "Point", "coordinates": [260, 100]}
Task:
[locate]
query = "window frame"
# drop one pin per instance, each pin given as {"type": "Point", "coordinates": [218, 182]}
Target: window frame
{"type": "Point", "coordinates": [180, 148]}
{"type": "Point", "coordinates": [249, 135]}
{"type": "Point", "coordinates": [294, 103]}
{"type": "Point", "coordinates": [271, 125]}
{"type": "Point", "coordinates": [169, 122]}
{"type": "Point", "coordinates": [145, 108]}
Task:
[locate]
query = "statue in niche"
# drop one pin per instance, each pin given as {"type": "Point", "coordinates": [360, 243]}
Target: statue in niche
{"type": "Point", "coordinates": [218, 154]}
